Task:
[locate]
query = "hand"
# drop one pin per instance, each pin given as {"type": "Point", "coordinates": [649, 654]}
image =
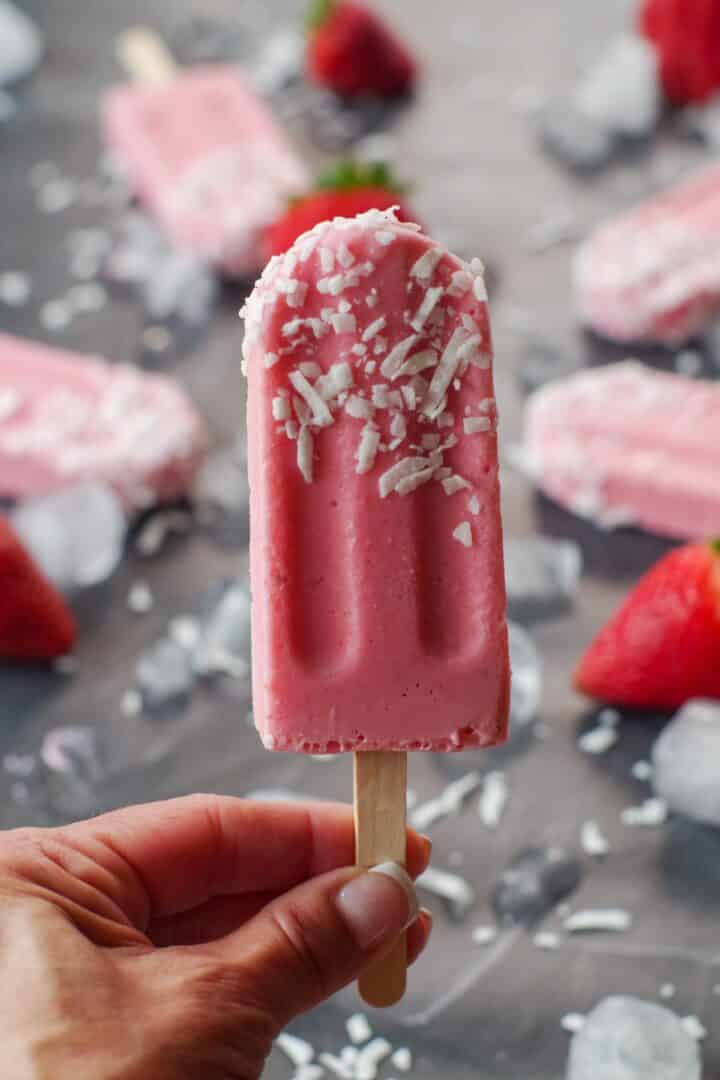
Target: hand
{"type": "Point", "coordinates": [174, 941]}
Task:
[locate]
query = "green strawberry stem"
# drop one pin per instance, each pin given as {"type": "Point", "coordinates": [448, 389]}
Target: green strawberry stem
{"type": "Point", "coordinates": [318, 13]}
{"type": "Point", "coordinates": [715, 545]}
{"type": "Point", "coordinates": [348, 175]}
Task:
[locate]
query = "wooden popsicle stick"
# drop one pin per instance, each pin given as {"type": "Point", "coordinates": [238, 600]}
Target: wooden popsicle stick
{"type": "Point", "coordinates": [145, 56]}
{"type": "Point", "coordinates": [380, 836]}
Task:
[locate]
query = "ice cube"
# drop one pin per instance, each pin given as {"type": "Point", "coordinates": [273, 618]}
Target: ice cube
{"type": "Point", "coordinates": [526, 679]}
{"type": "Point", "coordinates": [76, 535]}
{"type": "Point", "coordinates": [222, 482]}
{"type": "Point", "coordinates": [74, 769]}
{"type": "Point", "coordinates": [624, 1038]}
{"type": "Point", "coordinates": [686, 762]}
{"type": "Point", "coordinates": [540, 361]}
{"type": "Point", "coordinates": [279, 61]}
{"type": "Point", "coordinates": [577, 140]}
{"type": "Point", "coordinates": [703, 122]}
{"type": "Point", "coordinates": [137, 249]}
{"type": "Point", "coordinates": [21, 43]}
{"type": "Point", "coordinates": [621, 91]}
{"type": "Point", "coordinates": [15, 288]}
{"type": "Point", "coordinates": [224, 646]}
{"type": "Point", "coordinates": [534, 883]}
{"type": "Point", "coordinates": [180, 285]}
{"type": "Point", "coordinates": [541, 575]}
{"type": "Point", "coordinates": [165, 673]}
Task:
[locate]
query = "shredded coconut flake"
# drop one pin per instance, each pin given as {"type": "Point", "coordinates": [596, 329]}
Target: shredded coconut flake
{"type": "Point", "coordinates": [368, 448]}
{"type": "Point", "coordinates": [474, 505]}
{"type": "Point", "coordinates": [394, 360]}
{"type": "Point", "coordinates": [474, 425]}
{"type": "Point", "coordinates": [270, 359]}
{"type": "Point", "coordinates": [423, 313]}
{"type": "Point", "coordinates": [610, 920]}
{"type": "Point", "coordinates": [359, 407]}
{"type": "Point", "coordinates": [494, 794]}
{"type": "Point", "coordinates": [444, 374]}
{"type": "Point", "coordinates": [298, 1051]}
{"type": "Point", "coordinates": [344, 323]}
{"type": "Point", "coordinates": [358, 1028]}
{"type": "Point", "coordinates": [280, 408]}
{"type": "Point", "coordinates": [398, 426]}
{"type": "Point", "coordinates": [402, 471]}
{"type": "Point", "coordinates": [592, 840]}
{"type": "Point", "coordinates": [374, 328]}
{"type": "Point", "coordinates": [424, 268]}
{"type": "Point", "coordinates": [305, 454]}
{"type": "Point", "coordinates": [327, 260]}
{"type": "Point", "coordinates": [460, 283]}
{"type": "Point", "coordinates": [463, 534]}
{"type": "Point", "coordinates": [384, 237]}
{"type": "Point", "coordinates": [310, 369]}
{"type": "Point", "coordinates": [420, 361]}
{"type": "Point", "coordinates": [321, 415]}
{"type": "Point", "coordinates": [454, 483]}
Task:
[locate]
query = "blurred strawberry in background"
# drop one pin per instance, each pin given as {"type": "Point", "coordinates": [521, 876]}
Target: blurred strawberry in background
{"type": "Point", "coordinates": [347, 189]}
{"type": "Point", "coordinates": [352, 51]}
{"type": "Point", "coordinates": [686, 34]}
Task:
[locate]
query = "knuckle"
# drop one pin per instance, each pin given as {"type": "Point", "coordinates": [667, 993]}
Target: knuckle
{"type": "Point", "coordinates": [221, 1007]}
{"type": "Point", "coordinates": [297, 935]}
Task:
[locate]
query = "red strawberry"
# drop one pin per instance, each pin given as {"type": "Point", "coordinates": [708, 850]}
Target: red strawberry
{"type": "Point", "coordinates": [686, 34]}
{"type": "Point", "coordinates": [353, 52]}
{"type": "Point", "coordinates": [348, 189]}
{"type": "Point", "coordinates": [35, 623]}
{"type": "Point", "coordinates": [663, 646]}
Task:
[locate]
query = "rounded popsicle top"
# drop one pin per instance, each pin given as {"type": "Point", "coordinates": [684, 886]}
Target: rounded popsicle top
{"type": "Point", "coordinates": [368, 318]}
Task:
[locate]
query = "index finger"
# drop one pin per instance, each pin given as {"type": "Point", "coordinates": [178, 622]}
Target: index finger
{"type": "Point", "coordinates": [183, 852]}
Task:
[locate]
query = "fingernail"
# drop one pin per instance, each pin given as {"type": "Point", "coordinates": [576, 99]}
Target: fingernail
{"type": "Point", "coordinates": [427, 846]}
{"type": "Point", "coordinates": [378, 905]}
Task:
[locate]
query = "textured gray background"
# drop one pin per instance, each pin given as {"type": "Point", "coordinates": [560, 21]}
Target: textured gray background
{"type": "Point", "coordinates": [481, 181]}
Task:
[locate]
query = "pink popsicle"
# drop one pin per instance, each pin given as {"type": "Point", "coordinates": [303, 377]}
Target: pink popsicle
{"type": "Point", "coordinates": [653, 274]}
{"type": "Point", "coordinates": [66, 418]}
{"type": "Point", "coordinates": [624, 444]}
{"type": "Point", "coordinates": [376, 550]}
{"type": "Point", "coordinates": [207, 158]}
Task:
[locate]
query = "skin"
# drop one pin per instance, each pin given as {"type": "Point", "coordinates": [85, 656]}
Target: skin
{"type": "Point", "coordinates": [175, 940]}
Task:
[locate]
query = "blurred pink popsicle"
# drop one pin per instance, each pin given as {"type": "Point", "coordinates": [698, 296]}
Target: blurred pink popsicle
{"type": "Point", "coordinates": [66, 418]}
{"type": "Point", "coordinates": [653, 273]}
{"type": "Point", "coordinates": [376, 551]}
{"type": "Point", "coordinates": [205, 155]}
{"type": "Point", "coordinates": [624, 444]}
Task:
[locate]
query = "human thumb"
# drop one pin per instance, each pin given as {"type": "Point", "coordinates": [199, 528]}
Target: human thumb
{"type": "Point", "coordinates": [318, 937]}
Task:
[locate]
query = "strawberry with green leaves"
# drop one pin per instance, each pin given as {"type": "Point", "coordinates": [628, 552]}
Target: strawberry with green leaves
{"type": "Point", "coordinates": [35, 623]}
{"type": "Point", "coordinates": [348, 189]}
{"type": "Point", "coordinates": [662, 647]}
{"type": "Point", "coordinates": [353, 52]}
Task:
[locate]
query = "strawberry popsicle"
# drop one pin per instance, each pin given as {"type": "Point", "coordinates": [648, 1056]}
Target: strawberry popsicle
{"type": "Point", "coordinates": [207, 158]}
{"type": "Point", "coordinates": [652, 274]}
{"type": "Point", "coordinates": [625, 444]}
{"type": "Point", "coordinates": [66, 418]}
{"type": "Point", "coordinates": [376, 548]}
